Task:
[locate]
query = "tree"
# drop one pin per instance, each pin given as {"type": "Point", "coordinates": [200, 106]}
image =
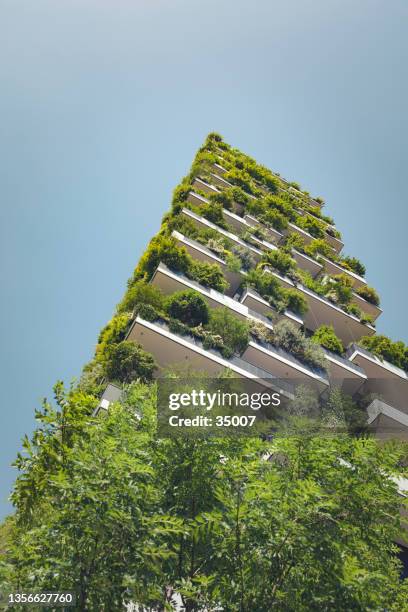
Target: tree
{"type": "Point", "coordinates": [129, 361]}
{"type": "Point", "coordinates": [189, 307]}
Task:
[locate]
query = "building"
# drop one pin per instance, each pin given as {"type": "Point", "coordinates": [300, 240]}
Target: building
{"type": "Point", "coordinates": [255, 245]}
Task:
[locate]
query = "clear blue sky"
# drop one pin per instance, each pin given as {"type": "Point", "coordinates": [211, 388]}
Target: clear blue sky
{"type": "Point", "coordinates": [102, 107]}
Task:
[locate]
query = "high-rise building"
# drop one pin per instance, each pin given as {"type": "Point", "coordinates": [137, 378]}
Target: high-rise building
{"type": "Point", "coordinates": [248, 241]}
{"type": "Point", "coordinates": [247, 275]}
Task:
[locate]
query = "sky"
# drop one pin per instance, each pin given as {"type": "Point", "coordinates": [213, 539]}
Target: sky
{"type": "Point", "coordinates": [102, 107]}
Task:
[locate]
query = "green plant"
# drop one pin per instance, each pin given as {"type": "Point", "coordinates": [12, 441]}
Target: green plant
{"type": "Point", "coordinates": [223, 198]}
{"type": "Point", "coordinates": [343, 288]}
{"type": "Point", "coordinates": [276, 203]}
{"type": "Point", "coordinates": [311, 225]}
{"type": "Point", "coordinates": [189, 307]}
{"type": "Point", "coordinates": [209, 275]}
{"type": "Point", "coordinates": [318, 246]}
{"type": "Point", "coordinates": [276, 219]}
{"type": "Point", "coordinates": [369, 294]}
{"type": "Point", "coordinates": [296, 302]}
{"type": "Point", "coordinates": [148, 312]}
{"type": "Point", "coordinates": [213, 212]}
{"type": "Point", "coordinates": [162, 248]}
{"type": "Point", "coordinates": [141, 292]}
{"type": "Point", "coordinates": [128, 361]}
{"type": "Point", "coordinates": [176, 327]}
{"type": "Point", "coordinates": [325, 336]}
{"type": "Point", "coordinates": [235, 333]}
{"type": "Point", "coordinates": [354, 264]}
{"type": "Point", "coordinates": [290, 338]}
{"type": "Point", "coordinates": [382, 346]}
{"type": "Point", "coordinates": [279, 260]}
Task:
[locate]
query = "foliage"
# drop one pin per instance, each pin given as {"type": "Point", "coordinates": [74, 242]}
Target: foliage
{"type": "Point", "coordinates": [113, 333]}
{"type": "Point", "coordinates": [382, 346]}
{"type": "Point", "coordinates": [162, 249]}
{"type": "Point", "coordinates": [141, 293]}
{"type": "Point", "coordinates": [207, 274]}
{"type": "Point", "coordinates": [188, 307]}
{"type": "Point", "coordinates": [355, 265]}
{"type": "Point", "coordinates": [128, 362]}
{"type": "Point", "coordinates": [280, 261]}
{"type": "Point", "coordinates": [295, 301]}
{"type": "Point", "coordinates": [319, 247]}
{"type": "Point", "coordinates": [213, 212]}
{"type": "Point", "coordinates": [223, 198]}
{"type": "Point", "coordinates": [311, 225]}
{"type": "Point", "coordinates": [233, 331]}
{"type": "Point", "coordinates": [369, 294]}
{"type": "Point", "coordinates": [290, 338]}
{"type": "Point", "coordinates": [325, 336]}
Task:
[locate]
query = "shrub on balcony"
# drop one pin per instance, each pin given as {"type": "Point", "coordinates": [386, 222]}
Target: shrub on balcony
{"type": "Point", "coordinates": [318, 246]}
{"type": "Point", "coordinates": [382, 346]}
{"type": "Point", "coordinates": [287, 336]}
{"type": "Point", "coordinates": [273, 202]}
{"type": "Point", "coordinates": [189, 307]}
{"type": "Point", "coordinates": [281, 261]}
{"type": "Point", "coordinates": [113, 333]}
{"type": "Point", "coordinates": [233, 331]}
{"type": "Point", "coordinates": [325, 336]}
{"type": "Point", "coordinates": [260, 332]}
{"type": "Point", "coordinates": [162, 248]}
{"type": "Point", "coordinates": [295, 301]}
{"type": "Point", "coordinates": [369, 294]}
{"type": "Point", "coordinates": [343, 288]}
{"type": "Point", "coordinates": [176, 327]}
{"type": "Point", "coordinates": [246, 258]}
{"type": "Point", "coordinates": [311, 225]}
{"type": "Point", "coordinates": [241, 179]}
{"type": "Point", "coordinates": [239, 196]}
{"type": "Point", "coordinates": [128, 362]}
{"type": "Point", "coordinates": [224, 199]}
{"type": "Point", "coordinates": [141, 293]}
{"type": "Point", "coordinates": [209, 275]}
{"type": "Point", "coordinates": [148, 312]}
{"type": "Point", "coordinates": [354, 264]}
{"type": "Point", "coordinates": [294, 241]}
{"type": "Point", "coordinates": [276, 219]}
{"type": "Point", "coordinates": [212, 212]}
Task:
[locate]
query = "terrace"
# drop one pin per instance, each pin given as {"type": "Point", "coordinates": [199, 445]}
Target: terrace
{"type": "Point", "coordinates": [387, 422]}
{"type": "Point", "coordinates": [323, 312]}
{"type": "Point", "coordinates": [170, 349]}
{"type": "Point", "coordinates": [169, 281]}
{"type": "Point", "coordinates": [201, 253]}
{"type": "Point", "coordinates": [383, 378]}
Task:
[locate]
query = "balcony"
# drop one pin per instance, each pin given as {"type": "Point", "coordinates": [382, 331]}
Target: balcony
{"type": "Point", "coordinates": [272, 233]}
{"type": "Point", "coordinates": [203, 223]}
{"type": "Point", "coordinates": [169, 281]}
{"type": "Point", "coordinates": [323, 312]}
{"type": "Point", "coordinates": [335, 243]}
{"type": "Point", "coordinates": [284, 365]}
{"type": "Point", "coordinates": [169, 350]}
{"type": "Point", "coordinates": [343, 373]}
{"type": "Point", "coordinates": [307, 263]}
{"type": "Point", "coordinates": [206, 187]}
{"type": "Point", "coordinates": [111, 394]}
{"type": "Point", "coordinates": [333, 268]}
{"type": "Point", "coordinates": [387, 422]}
{"type": "Point", "coordinates": [201, 253]}
{"type": "Point", "coordinates": [383, 378]}
{"type": "Point", "coordinates": [258, 304]}
{"type": "Point", "coordinates": [239, 224]}
{"type": "Point", "coordinates": [371, 309]}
